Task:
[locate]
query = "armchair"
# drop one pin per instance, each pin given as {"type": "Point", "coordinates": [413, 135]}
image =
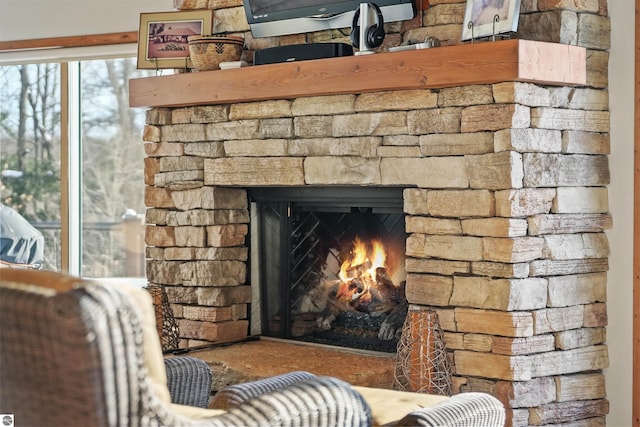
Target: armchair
{"type": "Point", "coordinates": [74, 353]}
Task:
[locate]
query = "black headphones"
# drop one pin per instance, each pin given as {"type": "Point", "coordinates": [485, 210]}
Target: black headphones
{"type": "Point", "coordinates": [375, 33]}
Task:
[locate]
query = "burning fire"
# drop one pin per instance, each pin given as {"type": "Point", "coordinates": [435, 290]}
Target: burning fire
{"type": "Point", "coordinates": [360, 274]}
{"type": "Point", "coordinates": [364, 285]}
{"type": "Point", "coordinates": [363, 257]}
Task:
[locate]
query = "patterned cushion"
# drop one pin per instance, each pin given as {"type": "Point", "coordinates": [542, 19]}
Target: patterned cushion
{"type": "Point", "coordinates": [189, 380]}
{"type": "Point", "coordinates": [318, 401]}
{"type": "Point", "coordinates": [462, 410]}
{"type": "Point", "coordinates": [234, 395]}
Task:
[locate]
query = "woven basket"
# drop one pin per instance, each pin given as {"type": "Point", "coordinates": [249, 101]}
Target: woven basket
{"type": "Point", "coordinates": [207, 52]}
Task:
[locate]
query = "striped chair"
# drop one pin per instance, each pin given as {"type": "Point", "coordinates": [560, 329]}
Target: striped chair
{"type": "Point", "coordinates": [75, 353]}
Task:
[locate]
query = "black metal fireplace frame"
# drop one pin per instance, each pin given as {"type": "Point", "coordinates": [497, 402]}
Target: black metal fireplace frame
{"type": "Point", "coordinates": [280, 202]}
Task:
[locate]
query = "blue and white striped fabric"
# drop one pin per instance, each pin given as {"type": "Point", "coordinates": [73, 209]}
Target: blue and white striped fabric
{"type": "Point", "coordinates": [462, 410]}
{"type": "Point", "coordinates": [234, 395]}
{"type": "Point", "coordinates": [318, 401]}
{"type": "Point", "coordinates": [189, 380]}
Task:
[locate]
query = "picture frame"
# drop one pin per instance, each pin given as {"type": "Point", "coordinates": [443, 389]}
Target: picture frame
{"type": "Point", "coordinates": [483, 18]}
{"type": "Point", "coordinates": [162, 37]}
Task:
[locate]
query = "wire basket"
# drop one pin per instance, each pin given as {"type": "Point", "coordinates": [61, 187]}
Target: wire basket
{"type": "Point", "coordinates": [422, 365]}
{"type": "Point", "coordinates": [165, 321]}
{"type": "Point", "coordinates": [207, 52]}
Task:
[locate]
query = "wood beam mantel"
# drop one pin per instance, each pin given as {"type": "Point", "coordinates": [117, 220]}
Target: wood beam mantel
{"type": "Point", "coordinates": [476, 63]}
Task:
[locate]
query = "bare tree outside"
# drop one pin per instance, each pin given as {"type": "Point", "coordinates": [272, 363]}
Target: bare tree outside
{"type": "Point", "coordinates": [112, 157]}
{"type": "Point", "coordinates": [113, 168]}
{"type": "Point", "coordinates": [30, 140]}
{"type": "Point", "coordinates": [113, 162]}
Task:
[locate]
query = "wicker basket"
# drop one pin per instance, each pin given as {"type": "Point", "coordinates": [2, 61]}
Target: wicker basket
{"type": "Point", "coordinates": [207, 52]}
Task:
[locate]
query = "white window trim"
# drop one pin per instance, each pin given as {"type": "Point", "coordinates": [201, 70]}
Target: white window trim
{"type": "Point", "coordinates": [37, 56]}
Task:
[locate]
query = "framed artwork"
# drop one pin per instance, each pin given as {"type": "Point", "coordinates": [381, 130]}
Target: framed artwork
{"type": "Point", "coordinates": [163, 37]}
{"type": "Point", "coordinates": [484, 18]}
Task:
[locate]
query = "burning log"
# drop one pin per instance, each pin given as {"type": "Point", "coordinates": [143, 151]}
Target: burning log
{"type": "Point", "coordinates": [349, 291]}
{"type": "Point", "coordinates": [391, 328]}
{"type": "Point", "coordinates": [385, 286]}
{"type": "Point", "coordinates": [353, 272]}
{"type": "Point", "coordinates": [379, 298]}
{"type": "Point", "coordinates": [338, 300]}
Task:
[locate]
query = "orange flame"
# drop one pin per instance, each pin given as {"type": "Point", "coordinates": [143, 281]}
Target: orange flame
{"type": "Point", "coordinates": [373, 256]}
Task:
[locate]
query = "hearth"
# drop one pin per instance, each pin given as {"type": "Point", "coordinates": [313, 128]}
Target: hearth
{"type": "Point", "coordinates": [329, 265]}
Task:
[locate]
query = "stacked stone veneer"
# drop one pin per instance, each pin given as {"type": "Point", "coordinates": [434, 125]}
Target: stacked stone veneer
{"type": "Point", "coordinates": [505, 199]}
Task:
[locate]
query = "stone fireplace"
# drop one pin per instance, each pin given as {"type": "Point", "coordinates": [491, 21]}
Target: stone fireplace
{"type": "Point", "coordinates": [503, 188]}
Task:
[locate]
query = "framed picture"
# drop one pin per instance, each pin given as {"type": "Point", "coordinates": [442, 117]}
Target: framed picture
{"type": "Point", "coordinates": [484, 18]}
{"type": "Point", "coordinates": [163, 37]}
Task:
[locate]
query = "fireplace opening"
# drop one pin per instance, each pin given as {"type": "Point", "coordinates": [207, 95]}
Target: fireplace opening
{"type": "Point", "coordinates": [328, 265]}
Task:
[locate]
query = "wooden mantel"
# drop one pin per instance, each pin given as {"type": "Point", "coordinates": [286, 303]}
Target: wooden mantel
{"type": "Point", "coordinates": [448, 66]}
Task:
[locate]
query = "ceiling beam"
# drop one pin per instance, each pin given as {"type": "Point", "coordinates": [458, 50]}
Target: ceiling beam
{"type": "Point", "coordinates": [71, 41]}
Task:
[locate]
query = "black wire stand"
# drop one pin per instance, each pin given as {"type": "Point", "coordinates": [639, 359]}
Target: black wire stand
{"type": "Point", "coordinates": [496, 20]}
{"type": "Point", "coordinates": [167, 325]}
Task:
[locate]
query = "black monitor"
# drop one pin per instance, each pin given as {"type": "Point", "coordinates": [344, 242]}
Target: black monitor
{"type": "Point", "coordinates": [268, 18]}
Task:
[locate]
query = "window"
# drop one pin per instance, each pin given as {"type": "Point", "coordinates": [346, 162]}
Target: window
{"type": "Point", "coordinates": [30, 149]}
{"type": "Point", "coordinates": [69, 141]}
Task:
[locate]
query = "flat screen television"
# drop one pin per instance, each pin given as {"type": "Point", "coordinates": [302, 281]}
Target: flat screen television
{"type": "Point", "coordinates": [268, 18]}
